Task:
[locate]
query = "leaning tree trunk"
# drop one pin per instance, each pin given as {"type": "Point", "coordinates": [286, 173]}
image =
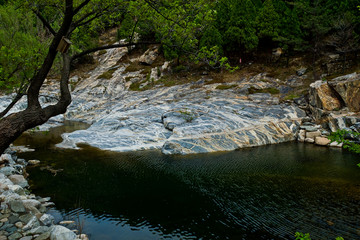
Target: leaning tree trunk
{"type": "Point", "coordinates": [12, 126]}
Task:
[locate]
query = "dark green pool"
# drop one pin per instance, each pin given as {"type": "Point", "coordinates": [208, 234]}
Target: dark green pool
{"type": "Point", "coordinates": [259, 193]}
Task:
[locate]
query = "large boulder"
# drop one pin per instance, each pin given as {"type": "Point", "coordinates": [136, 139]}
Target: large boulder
{"type": "Point", "coordinates": [61, 233]}
{"type": "Point", "coordinates": [348, 87]}
{"type": "Point", "coordinates": [323, 97]}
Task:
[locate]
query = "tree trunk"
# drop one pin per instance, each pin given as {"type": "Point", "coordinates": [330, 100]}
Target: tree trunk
{"type": "Point", "coordinates": [12, 126]}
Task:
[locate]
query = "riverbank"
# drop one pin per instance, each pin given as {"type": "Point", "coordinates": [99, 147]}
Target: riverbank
{"type": "Point", "coordinates": [23, 215]}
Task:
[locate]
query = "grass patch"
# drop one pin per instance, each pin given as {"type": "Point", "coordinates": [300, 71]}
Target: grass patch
{"type": "Point", "coordinates": [107, 75]}
{"type": "Point", "coordinates": [168, 82]}
{"type": "Point", "coordinates": [224, 87]}
{"type": "Point", "coordinates": [253, 90]}
{"type": "Point", "coordinates": [136, 86]}
{"type": "Point", "coordinates": [135, 67]}
{"type": "Point", "coordinates": [291, 97]}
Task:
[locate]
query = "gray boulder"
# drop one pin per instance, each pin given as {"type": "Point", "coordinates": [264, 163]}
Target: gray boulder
{"type": "Point", "coordinates": [61, 233]}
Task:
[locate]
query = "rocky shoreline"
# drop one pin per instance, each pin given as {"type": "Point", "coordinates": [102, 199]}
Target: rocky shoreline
{"type": "Point", "coordinates": [23, 216]}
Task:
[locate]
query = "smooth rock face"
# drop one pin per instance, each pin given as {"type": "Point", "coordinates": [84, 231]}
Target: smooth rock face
{"type": "Point", "coordinates": [323, 97]}
{"type": "Point", "coordinates": [61, 233]}
{"type": "Point", "coordinates": [313, 135]}
{"type": "Point", "coordinates": [219, 120]}
{"type": "Point", "coordinates": [349, 90]}
{"type": "Point", "coordinates": [309, 140]}
{"type": "Point", "coordinates": [321, 141]}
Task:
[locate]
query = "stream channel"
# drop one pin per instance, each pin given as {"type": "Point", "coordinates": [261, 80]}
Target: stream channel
{"type": "Point", "coordinates": [267, 192]}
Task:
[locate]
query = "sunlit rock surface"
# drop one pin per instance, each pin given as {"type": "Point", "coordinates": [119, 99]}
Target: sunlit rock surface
{"type": "Point", "coordinates": [190, 118]}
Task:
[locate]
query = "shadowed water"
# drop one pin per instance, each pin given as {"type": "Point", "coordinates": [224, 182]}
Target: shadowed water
{"type": "Point", "coordinates": [266, 192]}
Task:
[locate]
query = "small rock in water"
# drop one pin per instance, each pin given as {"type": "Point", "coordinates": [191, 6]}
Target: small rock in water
{"type": "Point", "coordinates": [309, 140]}
{"type": "Point", "coordinates": [67, 222]}
{"type": "Point", "coordinates": [47, 219]}
{"type": "Point", "coordinates": [34, 162]}
{"type": "Point", "coordinates": [321, 141]}
{"type": "Point", "coordinates": [336, 144]}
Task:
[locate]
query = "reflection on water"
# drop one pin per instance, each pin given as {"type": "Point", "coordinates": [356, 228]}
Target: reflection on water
{"type": "Point", "coordinates": [259, 193]}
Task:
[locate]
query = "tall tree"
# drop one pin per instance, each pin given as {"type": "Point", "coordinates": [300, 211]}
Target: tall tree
{"type": "Point", "coordinates": [80, 20]}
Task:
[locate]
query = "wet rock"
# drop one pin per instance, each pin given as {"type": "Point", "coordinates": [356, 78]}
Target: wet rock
{"type": "Point", "coordinates": [38, 230]}
{"type": "Point", "coordinates": [61, 233]}
{"type": "Point", "coordinates": [336, 144]}
{"type": "Point", "coordinates": [26, 217]}
{"type": "Point", "coordinates": [321, 141]}
{"type": "Point", "coordinates": [43, 236]}
{"type": "Point", "coordinates": [27, 238]}
{"type": "Point", "coordinates": [323, 97]}
{"type": "Point", "coordinates": [6, 158]}
{"type": "Point", "coordinates": [16, 189]}
{"type": "Point", "coordinates": [17, 206]}
{"type": "Point", "coordinates": [47, 219]}
{"type": "Point", "coordinates": [19, 225]}
{"type": "Point", "coordinates": [28, 203]}
{"type": "Point", "coordinates": [33, 162]}
{"type": "Point", "coordinates": [313, 135]}
{"type": "Point", "coordinates": [301, 135]}
{"type": "Point", "coordinates": [7, 171]}
{"type": "Point", "coordinates": [33, 223]}
{"type": "Point", "coordinates": [19, 180]}
{"type": "Point", "coordinates": [15, 236]}
{"type": "Point", "coordinates": [309, 140]}
{"type": "Point", "coordinates": [67, 222]}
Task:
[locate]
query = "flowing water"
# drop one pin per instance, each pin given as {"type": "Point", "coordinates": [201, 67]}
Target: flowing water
{"type": "Point", "coordinates": [266, 192]}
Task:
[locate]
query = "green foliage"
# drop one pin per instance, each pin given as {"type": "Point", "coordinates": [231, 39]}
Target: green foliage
{"type": "Point", "coordinates": [213, 58]}
{"type": "Point", "coordinates": [342, 136]}
{"type": "Point", "coordinates": [22, 48]}
{"type": "Point", "coordinates": [306, 236]}
{"type": "Point", "coordinates": [187, 115]}
{"type": "Point", "coordinates": [268, 21]}
{"type": "Point", "coordinates": [253, 90]}
{"type": "Point", "coordinates": [302, 236]}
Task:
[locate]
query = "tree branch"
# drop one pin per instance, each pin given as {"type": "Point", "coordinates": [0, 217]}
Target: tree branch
{"type": "Point", "coordinates": [44, 22]}
{"type": "Point", "coordinates": [83, 4]}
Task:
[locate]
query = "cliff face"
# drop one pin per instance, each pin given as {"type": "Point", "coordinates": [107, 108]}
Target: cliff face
{"type": "Point", "coordinates": [336, 103]}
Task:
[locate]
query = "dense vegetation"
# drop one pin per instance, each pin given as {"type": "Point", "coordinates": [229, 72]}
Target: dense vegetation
{"type": "Point", "coordinates": [204, 30]}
